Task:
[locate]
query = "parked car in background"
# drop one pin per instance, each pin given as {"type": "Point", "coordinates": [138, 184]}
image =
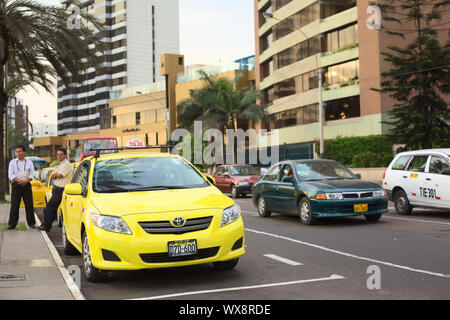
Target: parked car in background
{"type": "Point", "coordinates": [419, 178]}
{"type": "Point", "coordinates": [314, 189]}
{"type": "Point", "coordinates": [39, 164]}
{"type": "Point", "coordinates": [236, 179]}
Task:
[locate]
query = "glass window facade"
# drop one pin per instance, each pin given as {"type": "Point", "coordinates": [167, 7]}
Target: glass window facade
{"type": "Point", "coordinates": [342, 75]}
{"type": "Point", "coordinates": [294, 117]}
{"type": "Point", "coordinates": [298, 84]}
{"type": "Point", "coordinates": [341, 38]}
{"type": "Point", "coordinates": [329, 9]}
{"type": "Point", "coordinates": [342, 108]}
{"type": "Point", "coordinates": [296, 53]}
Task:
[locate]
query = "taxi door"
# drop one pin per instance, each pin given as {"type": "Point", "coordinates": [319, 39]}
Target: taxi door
{"type": "Point", "coordinates": [415, 179]}
{"type": "Point", "coordinates": [285, 194]}
{"type": "Point", "coordinates": [435, 192]}
{"type": "Point", "coordinates": [75, 204]}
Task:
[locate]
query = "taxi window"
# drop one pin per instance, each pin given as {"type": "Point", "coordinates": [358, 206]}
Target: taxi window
{"type": "Point", "coordinates": [401, 163]}
{"type": "Point", "coordinates": [418, 164]}
{"type": "Point", "coordinates": [437, 165]}
{"type": "Point", "coordinates": [81, 176]}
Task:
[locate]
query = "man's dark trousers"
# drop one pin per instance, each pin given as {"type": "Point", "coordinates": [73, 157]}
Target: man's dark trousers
{"type": "Point", "coordinates": [17, 193]}
{"type": "Point", "coordinates": [52, 207]}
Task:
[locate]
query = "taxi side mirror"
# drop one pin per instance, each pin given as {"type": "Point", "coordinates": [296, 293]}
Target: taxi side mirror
{"type": "Point", "coordinates": [74, 189]}
{"type": "Point", "coordinates": [446, 172]}
{"type": "Point", "coordinates": [358, 176]}
{"type": "Point", "coordinates": [211, 180]}
{"type": "Point", "coordinates": [37, 183]}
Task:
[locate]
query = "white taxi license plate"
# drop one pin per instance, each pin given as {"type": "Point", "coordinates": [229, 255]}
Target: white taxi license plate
{"type": "Point", "coordinates": [182, 248]}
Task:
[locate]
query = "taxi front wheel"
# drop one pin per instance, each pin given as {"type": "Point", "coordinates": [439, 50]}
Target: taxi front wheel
{"type": "Point", "coordinates": [225, 265]}
{"type": "Point", "coordinates": [92, 273]}
{"type": "Point", "coordinates": [401, 203]}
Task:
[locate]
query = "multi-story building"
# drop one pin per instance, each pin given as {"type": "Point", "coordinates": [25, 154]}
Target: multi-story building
{"type": "Point", "coordinates": [300, 37]}
{"type": "Point", "coordinates": [136, 33]}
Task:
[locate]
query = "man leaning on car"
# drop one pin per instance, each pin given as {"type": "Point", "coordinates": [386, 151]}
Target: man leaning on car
{"type": "Point", "coordinates": [62, 175]}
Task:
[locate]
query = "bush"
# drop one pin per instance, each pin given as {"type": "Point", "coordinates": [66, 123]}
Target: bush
{"type": "Point", "coordinates": [362, 152]}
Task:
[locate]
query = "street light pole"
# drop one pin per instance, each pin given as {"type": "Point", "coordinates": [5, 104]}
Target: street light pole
{"type": "Point", "coordinates": [321, 115]}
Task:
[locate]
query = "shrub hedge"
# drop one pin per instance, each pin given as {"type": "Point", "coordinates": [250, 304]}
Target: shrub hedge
{"type": "Point", "coordinates": [359, 152]}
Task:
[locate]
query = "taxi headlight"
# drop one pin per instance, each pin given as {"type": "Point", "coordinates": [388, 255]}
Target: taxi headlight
{"type": "Point", "coordinates": [230, 215]}
{"type": "Point", "coordinates": [110, 223]}
{"type": "Point", "coordinates": [379, 193]}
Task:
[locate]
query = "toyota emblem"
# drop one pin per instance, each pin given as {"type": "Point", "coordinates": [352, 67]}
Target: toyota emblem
{"type": "Point", "coordinates": [178, 222]}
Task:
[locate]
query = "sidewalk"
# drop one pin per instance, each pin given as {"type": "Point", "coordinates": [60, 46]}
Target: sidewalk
{"type": "Point", "coordinates": [27, 267]}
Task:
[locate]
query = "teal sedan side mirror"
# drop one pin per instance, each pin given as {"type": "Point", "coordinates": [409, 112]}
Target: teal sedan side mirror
{"type": "Point", "coordinates": [287, 179]}
{"type": "Point", "coordinates": [358, 176]}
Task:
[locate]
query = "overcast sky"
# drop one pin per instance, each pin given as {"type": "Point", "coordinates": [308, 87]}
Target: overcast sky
{"type": "Point", "coordinates": [210, 30]}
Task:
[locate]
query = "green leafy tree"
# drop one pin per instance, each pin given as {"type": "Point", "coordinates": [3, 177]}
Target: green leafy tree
{"type": "Point", "coordinates": [220, 103]}
{"type": "Point", "coordinates": [420, 75]}
{"type": "Point", "coordinates": [36, 45]}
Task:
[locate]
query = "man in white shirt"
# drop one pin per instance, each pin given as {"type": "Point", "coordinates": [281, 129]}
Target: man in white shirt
{"type": "Point", "coordinates": [20, 173]}
{"type": "Point", "coordinates": [62, 174]}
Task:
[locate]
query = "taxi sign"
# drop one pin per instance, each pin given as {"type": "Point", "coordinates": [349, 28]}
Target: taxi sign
{"type": "Point", "coordinates": [135, 143]}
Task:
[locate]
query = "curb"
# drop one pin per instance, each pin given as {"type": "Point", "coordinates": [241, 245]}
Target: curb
{"type": "Point", "coordinates": [73, 288]}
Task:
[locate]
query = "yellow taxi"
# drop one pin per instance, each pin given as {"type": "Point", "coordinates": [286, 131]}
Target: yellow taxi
{"type": "Point", "coordinates": [41, 189]}
{"type": "Point", "coordinates": [130, 211]}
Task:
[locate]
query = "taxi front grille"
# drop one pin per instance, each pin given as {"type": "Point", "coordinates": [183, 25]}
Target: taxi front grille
{"type": "Point", "coordinates": [164, 227]}
{"type": "Point", "coordinates": [164, 256]}
{"type": "Point", "coordinates": [357, 195]}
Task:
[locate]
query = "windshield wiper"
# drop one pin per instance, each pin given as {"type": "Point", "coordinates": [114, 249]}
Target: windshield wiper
{"type": "Point", "coordinates": [157, 188]}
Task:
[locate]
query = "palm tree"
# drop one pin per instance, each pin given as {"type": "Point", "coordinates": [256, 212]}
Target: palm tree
{"type": "Point", "coordinates": [36, 45]}
{"type": "Point", "coordinates": [220, 104]}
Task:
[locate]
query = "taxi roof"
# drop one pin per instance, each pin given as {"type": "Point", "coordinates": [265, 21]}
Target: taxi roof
{"type": "Point", "coordinates": [122, 155]}
{"type": "Point", "coordinates": [445, 151]}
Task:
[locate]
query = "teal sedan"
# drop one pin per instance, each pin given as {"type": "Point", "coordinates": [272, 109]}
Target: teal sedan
{"type": "Point", "coordinates": [314, 189]}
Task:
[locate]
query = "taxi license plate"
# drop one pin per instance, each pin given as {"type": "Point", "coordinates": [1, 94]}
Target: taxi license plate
{"type": "Point", "coordinates": [182, 248]}
{"type": "Point", "coordinates": [363, 207]}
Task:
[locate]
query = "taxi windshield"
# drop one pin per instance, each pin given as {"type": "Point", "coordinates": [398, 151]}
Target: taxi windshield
{"type": "Point", "coordinates": [322, 170]}
{"type": "Point", "coordinates": [145, 174]}
{"type": "Point", "coordinates": [39, 164]}
{"type": "Point", "coordinates": [244, 171]}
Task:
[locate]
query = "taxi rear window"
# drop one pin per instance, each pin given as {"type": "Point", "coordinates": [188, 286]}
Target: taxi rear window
{"type": "Point", "coordinates": [401, 163]}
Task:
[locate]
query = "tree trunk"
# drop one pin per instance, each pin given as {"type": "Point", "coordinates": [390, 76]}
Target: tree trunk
{"type": "Point", "coordinates": [3, 116]}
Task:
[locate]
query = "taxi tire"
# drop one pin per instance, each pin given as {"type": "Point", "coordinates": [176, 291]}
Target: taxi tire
{"type": "Point", "coordinates": [225, 265]}
{"type": "Point", "coordinates": [68, 248]}
{"type": "Point", "coordinates": [401, 203]}
{"type": "Point", "coordinates": [262, 212]}
{"type": "Point", "coordinates": [306, 217]}
{"type": "Point", "coordinates": [92, 273]}
{"type": "Point", "coordinates": [234, 192]}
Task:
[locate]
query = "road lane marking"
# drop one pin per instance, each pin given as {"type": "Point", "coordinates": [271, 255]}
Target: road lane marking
{"type": "Point", "coordinates": [277, 284]}
{"type": "Point", "coordinates": [417, 220]}
{"type": "Point", "coordinates": [284, 260]}
{"type": "Point", "coordinates": [437, 274]}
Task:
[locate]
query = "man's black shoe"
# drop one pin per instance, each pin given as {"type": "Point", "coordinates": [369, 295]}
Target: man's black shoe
{"type": "Point", "coordinates": [10, 228]}
{"type": "Point", "coordinates": [43, 228]}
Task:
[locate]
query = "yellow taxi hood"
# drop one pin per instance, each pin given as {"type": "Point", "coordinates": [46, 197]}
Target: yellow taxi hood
{"type": "Point", "coordinates": [157, 201]}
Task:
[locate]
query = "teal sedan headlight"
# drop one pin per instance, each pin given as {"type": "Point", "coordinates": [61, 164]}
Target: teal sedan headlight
{"type": "Point", "coordinates": [334, 196]}
{"type": "Point", "coordinates": [379, 193]}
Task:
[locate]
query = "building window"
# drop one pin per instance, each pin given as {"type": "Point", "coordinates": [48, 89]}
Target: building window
{"type": "Point", "coordinates": [138, 118]}
{"type": "Point", "coordinates": [341, 75]}
{"type": "Point", "coordinates": [294, 117]}
{"type": "Point", "coordinates": [341, 39]}
{"type": "Point", "coordinates": [343, 109]}
{"type": "Point", "coordinates": [114, 121]}
{"type": "Point", "coordinates": [298, 52]}
{"type": "Point", "coordinates": [296, 21]}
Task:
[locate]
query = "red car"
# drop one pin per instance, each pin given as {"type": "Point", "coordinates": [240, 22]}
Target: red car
{"type": "Point", "coordinates": [236, 179]}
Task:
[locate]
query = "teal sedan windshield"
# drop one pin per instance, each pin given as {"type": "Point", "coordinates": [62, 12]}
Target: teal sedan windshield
{"type": "Point", "coordinates": [322, 170]}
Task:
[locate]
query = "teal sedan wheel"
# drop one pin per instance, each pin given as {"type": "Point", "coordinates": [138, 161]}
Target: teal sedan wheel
{"type": "Point", "coordinates": [305, 211]}
{"type": "Point", "coordinates": [262, 208]}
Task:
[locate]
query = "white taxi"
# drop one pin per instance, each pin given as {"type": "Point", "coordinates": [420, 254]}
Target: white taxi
{"type": "Point", "coordinates": [419, 179]}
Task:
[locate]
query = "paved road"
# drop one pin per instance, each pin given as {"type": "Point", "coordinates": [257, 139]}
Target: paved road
{"type": "Point", "coordinates": [336, 259]}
